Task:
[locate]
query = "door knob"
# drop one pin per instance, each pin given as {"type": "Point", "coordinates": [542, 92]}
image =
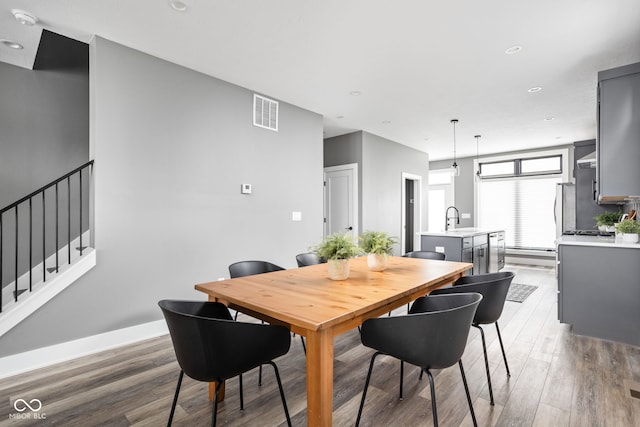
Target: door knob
{"type": "Point", "coordinates": [349, 228]}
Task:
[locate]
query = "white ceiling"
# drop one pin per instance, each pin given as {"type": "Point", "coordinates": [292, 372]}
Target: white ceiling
{"type": "Point", "coordinates": [416, 63]}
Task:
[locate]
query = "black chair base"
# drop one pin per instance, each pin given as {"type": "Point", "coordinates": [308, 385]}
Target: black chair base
{"type": "Point", "coordinates": [214, 415]}
{"type": "Point", "coordinates": [434, 409]}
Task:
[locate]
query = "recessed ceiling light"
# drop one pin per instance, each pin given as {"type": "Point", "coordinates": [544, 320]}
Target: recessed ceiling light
{"type": "Point", "coordinates": [513, 49]}
{"type": "Point", "coordinates": [178, 6]}
{"type": "Point", "coordinates": [549, 119]}
{"type": "Point", "coordinates": [339, 117]}
{"type": "Point", "coordinates": [11, 44]}
{"type": "Point", "coordinates": [25, 18]}
{"type": "Point", "coordinates": [355, 93]}
{"type": "Point", "coordinates": [386, 122]}
{"type": "Point", "coordinates": [535, 89]}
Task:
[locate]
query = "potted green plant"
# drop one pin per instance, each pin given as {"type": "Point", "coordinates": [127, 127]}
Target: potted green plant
{"type": "Point", "coordinates": [378, 246]}
{"type": "Point", "coordinates": [337, 249]}
{"type": "Point", "coordinates": [606, 220]}
{"type": "Point", "coordinates": [630, 229]}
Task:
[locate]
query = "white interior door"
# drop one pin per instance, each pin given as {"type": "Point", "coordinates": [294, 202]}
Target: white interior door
{"type": "Point", "coordinates": [411, 212]}
{"type": "Point", "coordinates": [341, 199]}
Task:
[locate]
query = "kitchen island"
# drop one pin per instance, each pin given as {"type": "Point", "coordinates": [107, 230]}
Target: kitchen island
{"type": "Point", "coordinates": [599, 287]}
{"type": "Point", "coordinates": [483, 248]}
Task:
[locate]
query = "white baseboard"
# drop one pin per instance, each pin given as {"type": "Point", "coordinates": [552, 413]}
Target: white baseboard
{"type": "Point", "coordinates": [46, 356]}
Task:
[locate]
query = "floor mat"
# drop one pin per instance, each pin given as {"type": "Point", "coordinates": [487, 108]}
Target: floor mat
{"type": "Point", "coordinates": [519, 292]}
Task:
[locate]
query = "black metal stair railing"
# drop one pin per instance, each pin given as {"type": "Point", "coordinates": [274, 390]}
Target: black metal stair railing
{"type": "Point", "coordinates": [19, 252]}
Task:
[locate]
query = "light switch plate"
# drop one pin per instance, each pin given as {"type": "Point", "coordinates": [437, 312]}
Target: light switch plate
{"type": "Point", "coordinates": [245, 189]}
{"type": "Point", "coordinates": [296, 216]}
{"type": "Point", "coordinates": [440, 249]}
{"type": "Point", "coordinates": [466, 216]}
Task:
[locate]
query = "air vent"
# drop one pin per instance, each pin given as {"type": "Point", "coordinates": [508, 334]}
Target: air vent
{"type": "Point", "coordinates": [265, 112]}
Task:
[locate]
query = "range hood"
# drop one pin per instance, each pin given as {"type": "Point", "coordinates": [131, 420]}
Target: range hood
{"type": "Point", "coordinates": [588, 161]}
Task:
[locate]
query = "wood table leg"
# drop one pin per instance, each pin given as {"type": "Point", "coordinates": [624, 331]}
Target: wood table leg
{"type": "Point", "coordinates": [319, 378]}
{"type": "Point", "coordinates": [212, 385]}
{"type": "Point", "coordinates": [212, 392]}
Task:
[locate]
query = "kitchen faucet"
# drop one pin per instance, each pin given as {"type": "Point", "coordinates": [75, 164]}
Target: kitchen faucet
{"type": "Point", "coordinates": [446, 217]}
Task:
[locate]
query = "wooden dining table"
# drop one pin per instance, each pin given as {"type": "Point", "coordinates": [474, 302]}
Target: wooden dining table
{"type": "Point", "coordinates": [310, 304]}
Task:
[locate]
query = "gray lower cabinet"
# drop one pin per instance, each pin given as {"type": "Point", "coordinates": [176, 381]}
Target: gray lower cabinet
{"type": "Point", "coordinates": [599, 291]}
{"type": "Point", "coordinates": [471, 249]}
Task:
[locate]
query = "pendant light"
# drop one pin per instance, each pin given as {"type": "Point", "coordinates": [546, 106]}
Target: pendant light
{"type": "Point", "coordinates": [477, 137]}
{"type": "Point", "coordinates": [455, 169]}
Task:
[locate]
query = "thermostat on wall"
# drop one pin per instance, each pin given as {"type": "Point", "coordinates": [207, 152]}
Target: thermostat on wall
{"type": "Point", "coordinates": [245, 189]}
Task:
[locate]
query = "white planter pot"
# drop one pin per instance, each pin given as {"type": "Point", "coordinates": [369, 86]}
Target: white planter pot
{"type": "Point", "coordinates": [630, 238]}
{"type": "Point", "coordinates": [377, 262]}
{"type": "Point", "coordinates": [338, 269]}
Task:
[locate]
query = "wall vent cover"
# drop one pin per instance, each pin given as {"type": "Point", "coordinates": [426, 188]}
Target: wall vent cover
{"type": "Point", "coordinates": [265, 112]}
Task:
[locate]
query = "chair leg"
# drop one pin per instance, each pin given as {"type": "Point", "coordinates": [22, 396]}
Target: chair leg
{"type": "Point", "coordinates": [241, 393]}
{"type": "Point", "coordinates": [175, 398]}
{"type": "Point", "coordinates": [260, 376]}
{"type": "Point", "coordinates": [434, 409]}
{"type": "Point", "coordinates": [366, 386]}
{"type": "Point", "coordinates": [401, 378]}
{"type": "Point", "coordinates": [214, 415]}
{"type": "Point", "coordinates": [466, 389]}
{"type": "Point", "coordinates": [486, 364]}
{"type": "Point", "coordinates": [504, 355]}
{"type": "Point", "coordinates": [304, 347]}
{"type": "Point", "coordinates": [284, 401]}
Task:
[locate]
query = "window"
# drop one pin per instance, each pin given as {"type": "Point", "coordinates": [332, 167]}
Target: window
{"type": "Point", "coordinates": [518, 195]}
{"type": "Point", "coordinates": [520, 167]}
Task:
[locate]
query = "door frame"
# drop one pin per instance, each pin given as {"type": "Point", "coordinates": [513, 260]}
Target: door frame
{"type": "Point", "coordinates": [354, 192]}
{"type": "Point", "coordinates": [417, 209]}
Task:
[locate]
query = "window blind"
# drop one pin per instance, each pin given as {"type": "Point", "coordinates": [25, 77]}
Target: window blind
{"type": "Point", "coordinates": [523, 207]}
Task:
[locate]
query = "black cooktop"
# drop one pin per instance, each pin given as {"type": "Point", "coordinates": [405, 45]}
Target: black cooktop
{"type": "Point", "coordinates": [588, 233]}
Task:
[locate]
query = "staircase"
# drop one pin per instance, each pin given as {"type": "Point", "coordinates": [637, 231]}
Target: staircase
{"type": "Point", "coordinates": [44, 245]}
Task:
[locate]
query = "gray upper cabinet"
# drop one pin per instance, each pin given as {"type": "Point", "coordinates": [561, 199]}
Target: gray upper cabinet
{"type": "Point", "coordinates": [618, 142]}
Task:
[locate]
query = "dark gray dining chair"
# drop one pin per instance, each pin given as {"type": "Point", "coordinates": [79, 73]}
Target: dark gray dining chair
{"type": "Point", "coordinates": [212, 347]}
{"type": "Point", "coordinates": [250, 268]}
{"type": "Point", "coordinates": [308, 258]}
{"type": "Point", "coordinates": [426, 255]}
{"type": "Point", "coordinates": [494, 288]}
{"type": "Point", "coordinates": [438, 256]}
{"type": "Point", "coordinates": [432, 336]}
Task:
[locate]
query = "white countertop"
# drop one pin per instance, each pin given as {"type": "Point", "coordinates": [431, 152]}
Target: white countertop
{"type": "Point", "coordinates": [459, 232]}
{"type": "Point", "coordinates": [596, 241]}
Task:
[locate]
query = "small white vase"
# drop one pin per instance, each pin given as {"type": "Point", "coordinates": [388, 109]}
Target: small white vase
{"type": "Point", "coordinates": [377, 262]}
{"type": "Point", "coordinates": [630, 238]}
{"type": "Point", "coordinates": [338, 269]}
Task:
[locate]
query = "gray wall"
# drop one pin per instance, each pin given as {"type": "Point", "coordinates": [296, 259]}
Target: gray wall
{"type": "Point", "coordinates": [172, 148]}
{"type": "Point", "coordinates": [384, 161]}
{"type": "Point", "coordinates": [44, 127]}
{"type": "Point", "coordinates": [381, 163]}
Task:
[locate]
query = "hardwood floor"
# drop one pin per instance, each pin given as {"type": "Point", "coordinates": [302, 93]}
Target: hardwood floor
{"type": "Point", "coordinates": [557, 379]}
